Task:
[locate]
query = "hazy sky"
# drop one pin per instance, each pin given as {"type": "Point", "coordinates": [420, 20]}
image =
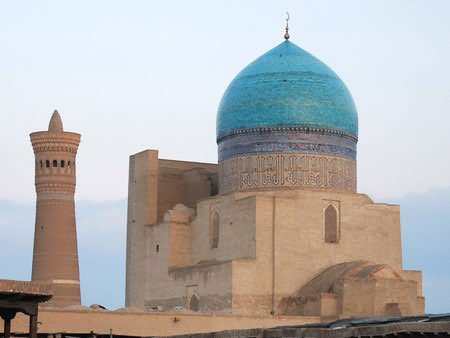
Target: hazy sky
{"type": "Point", "coordinates": [131, 75]}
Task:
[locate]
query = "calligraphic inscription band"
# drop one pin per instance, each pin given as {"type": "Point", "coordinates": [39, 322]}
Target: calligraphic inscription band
{"type": "Point", "coordinates": [278, 170]}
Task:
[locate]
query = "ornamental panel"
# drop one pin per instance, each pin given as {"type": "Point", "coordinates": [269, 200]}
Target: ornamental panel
{"type": "Point", "coordinates": [271, 171]}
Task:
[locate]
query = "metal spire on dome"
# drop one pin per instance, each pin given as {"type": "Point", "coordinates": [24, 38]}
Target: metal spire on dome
{"type": "Point", "coordinates": [286, 35]}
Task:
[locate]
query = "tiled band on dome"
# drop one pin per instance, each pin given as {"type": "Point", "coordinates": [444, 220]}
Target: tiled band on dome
{"type": "Point", "coordinates": [288, 171]}
{"type": "Point", "coordinates": [303, 129]}
{"type": "Point", "coordinates": [287, 140]}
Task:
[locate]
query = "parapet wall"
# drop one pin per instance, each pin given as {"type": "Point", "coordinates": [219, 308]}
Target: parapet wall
{"type": "Point", "coordinates": [144, 324]}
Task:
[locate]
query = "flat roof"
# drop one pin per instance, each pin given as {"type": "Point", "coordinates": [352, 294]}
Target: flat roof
{"type": "Point", "coordinates": [24, 291]}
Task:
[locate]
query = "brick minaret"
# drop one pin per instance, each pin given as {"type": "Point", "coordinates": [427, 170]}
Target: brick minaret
{"type": "Point", "coordinates": [55, 253]}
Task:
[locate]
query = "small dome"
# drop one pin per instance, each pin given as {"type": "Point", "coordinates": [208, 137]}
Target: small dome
{"type": "Point", "coordinates": [332, 281]}
{"type": "Point", "coordinates": [287, 87]}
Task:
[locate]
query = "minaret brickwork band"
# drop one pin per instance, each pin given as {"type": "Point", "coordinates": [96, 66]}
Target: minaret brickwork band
{"type": "Point", "coordinates": [55, 253]}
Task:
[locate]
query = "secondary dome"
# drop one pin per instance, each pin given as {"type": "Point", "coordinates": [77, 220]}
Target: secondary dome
{"type": "Point", "coordinates": [287, 87]}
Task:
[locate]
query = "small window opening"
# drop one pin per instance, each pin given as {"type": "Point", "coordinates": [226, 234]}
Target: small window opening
{"type": "Point", "coordinates": [63, 163]}
{"type": "Point", "coordinates": [40, 162]}
{"type": "Point", "coordinates": [47, 163]}
{"type": "Point", "coordinates": [68, 164]}
{"type": "Point", "coordinates": [331, 225]}
{"type": "Point", "coordinates": [55, 163]}
{"type": "Point", "coordinates": [157, 247]}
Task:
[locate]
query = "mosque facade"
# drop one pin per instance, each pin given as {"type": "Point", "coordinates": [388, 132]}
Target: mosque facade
{"type": "Point", "coordinates": [277, 227]}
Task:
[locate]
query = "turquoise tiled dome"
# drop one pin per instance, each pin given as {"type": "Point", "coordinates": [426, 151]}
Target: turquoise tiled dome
{"type": "Point", "coordinates": [287, 87]}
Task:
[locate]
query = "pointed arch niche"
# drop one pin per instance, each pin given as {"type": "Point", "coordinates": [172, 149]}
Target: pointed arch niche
{"type": "Point", "coordinates": [214, 230]}
{"type": "Point", "coordinates": [194, 303]}
{"type": "Point", "coordinates": [331, 224]}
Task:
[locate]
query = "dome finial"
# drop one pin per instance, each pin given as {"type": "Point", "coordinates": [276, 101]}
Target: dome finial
{"type": "Point", "coordinates": [55, 125]}
{"type": "Point", "coordinates": [286, 35]}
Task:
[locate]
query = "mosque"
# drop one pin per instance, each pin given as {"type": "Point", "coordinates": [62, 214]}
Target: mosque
{"type": "Point", "coordinates": [277, 227]}
{"type": "Point", "coordinates": [275, 233]}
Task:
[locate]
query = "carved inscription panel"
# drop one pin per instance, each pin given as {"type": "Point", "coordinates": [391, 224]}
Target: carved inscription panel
{"type": "Point", "coordinates": [276, 170]}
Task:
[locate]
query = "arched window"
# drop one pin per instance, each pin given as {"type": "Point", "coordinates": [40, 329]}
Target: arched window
{"type": "Point", "coordinates": [55, 163]}
{"type": "Point", "coordinates": [40, 162]}
{"type": "Point", "coordinates": [194, 303]}
{"type": "Point", "coordinates": [63, 163]}
{"type": "Point", "coordinates": [214, 230]}
{"type": "Point", "coordinates": [331, 225]}
{"type": "Point", "coordinates": [47, 163]}
{"type": "Point", "coordinates": [68, 164]}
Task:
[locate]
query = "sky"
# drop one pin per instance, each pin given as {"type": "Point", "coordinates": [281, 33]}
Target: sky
{"type": "Point", "coordinates": [135, 75]}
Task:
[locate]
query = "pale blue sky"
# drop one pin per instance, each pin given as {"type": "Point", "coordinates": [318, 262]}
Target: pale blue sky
{"type": "Point", "coordinates": [131, 75]}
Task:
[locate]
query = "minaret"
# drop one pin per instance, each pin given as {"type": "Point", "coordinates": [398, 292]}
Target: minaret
{"type": "Point", "coordinates": [55, 253]}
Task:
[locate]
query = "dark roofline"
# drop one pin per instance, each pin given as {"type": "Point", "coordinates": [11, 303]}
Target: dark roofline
{"type": "Point", "coordinates": [408, 326]}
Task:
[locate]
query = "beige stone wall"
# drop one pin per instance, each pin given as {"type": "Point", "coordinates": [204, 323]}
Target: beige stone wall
{"type": "Point", "coordinates": [156, 186]}
{"type": "Point", "coordinates": [147, 324]}
{"type": "Point", "coordinates": [157, 263]}
{"type": "Point", "coordinates": [168, 286]}
{"type": "Point", "coordinates": [402, 293]}
{"type": "Point", "coordinates": [185, 183]}
{"type": "Point", "coordinates": [237, 231]}
{"type": "Point", "coordinates": [358, 298]}
{"type": "Point", "coordinates": [290, 242]}
{"type": "Point", "coordinates": [253, 280]}
{"type": "Point", "coordinates": [328, 306]}
{"type": "Point", "coordinates": [416, 276]}
{"type": "Point", "coordinates": [210, 282]}
{"type": "Point", "coordinates": [180, 244]}
{"type": "Point", "coordinates": [367, 232]}
{"type": "Point", "coordinates": [379, 297]}
{"type": "Point", "coordinates": [271, 243]}
{"type": "Point", "coordinates": [209, 273]}
{"type": "Point", "coordinates": [142, 210]}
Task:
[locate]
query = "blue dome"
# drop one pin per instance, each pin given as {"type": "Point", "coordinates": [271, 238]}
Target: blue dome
{"type": "Point", "coordinates": [287, 87]}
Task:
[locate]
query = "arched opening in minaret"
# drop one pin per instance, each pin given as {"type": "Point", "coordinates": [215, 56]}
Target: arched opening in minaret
{"type": "Point", "coordinates": [55, 163]}
{"type": "Point", "coordinates": [331, 225]}
{"type": "Point", "coordinates": [68, 164]}
{"type": "Point", "coordinates": [63, 163]}
{"type": "Point", "coordinates": [47, 164]}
